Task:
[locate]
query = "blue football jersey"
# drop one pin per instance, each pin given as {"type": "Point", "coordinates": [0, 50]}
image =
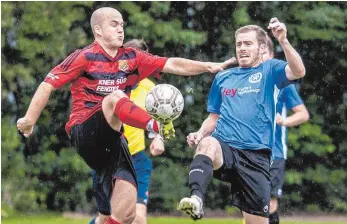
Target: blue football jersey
{"type": "Point", "coordinates": [245, 99]}
{"type": "Point", "coordinates": [287, 99]}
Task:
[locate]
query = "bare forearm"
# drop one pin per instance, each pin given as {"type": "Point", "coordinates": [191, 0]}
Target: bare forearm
{"type": "Point", "coordinates": [185, 67]}
{"type": "Point", "coordinates": [39, 101]}
{"type": "Point", "coordinates": [294, 60]}
{"type": "Point", "coordinates": [296, 119]}
{"type": "Point", "coordinates": [208, 126]}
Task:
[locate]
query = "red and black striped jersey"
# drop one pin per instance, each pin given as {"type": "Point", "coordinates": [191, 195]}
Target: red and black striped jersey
{"type": "Point", "coordinates": [94, 74]}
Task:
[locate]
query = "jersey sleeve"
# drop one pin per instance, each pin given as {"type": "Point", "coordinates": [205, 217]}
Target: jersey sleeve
{"type": "Point", "coordinates": [214, 98]}
{"type": "Point", "coordinates": [291, 97]}
{"type": "Point", "coordinates": [279, 73]}
{"type": "Point", "coordinates": [148, 64]}
{"type": "Point", "coordinates": [70, 69]}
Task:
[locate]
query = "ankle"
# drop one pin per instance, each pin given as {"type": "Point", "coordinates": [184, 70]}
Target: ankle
{"type": "Point", "coordinates": [197, 198]}
{"type": "Point", "coordinates": [152, 126]}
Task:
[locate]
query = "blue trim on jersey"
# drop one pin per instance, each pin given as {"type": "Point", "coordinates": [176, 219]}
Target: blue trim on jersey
{"type": "Point", "coordinates": [245, 100]}
{"type": "Point", "coordinates": [287, 100]}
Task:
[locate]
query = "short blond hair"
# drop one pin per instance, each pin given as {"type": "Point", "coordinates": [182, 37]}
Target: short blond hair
{"type": "Point", "coordinates": [261, 35]}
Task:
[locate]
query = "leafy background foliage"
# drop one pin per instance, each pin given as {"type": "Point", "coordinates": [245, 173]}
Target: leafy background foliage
{"type": "Point", "coordinates": [43, 172]}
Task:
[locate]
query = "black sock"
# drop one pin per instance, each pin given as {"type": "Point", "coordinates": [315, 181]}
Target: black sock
{"type": "Point", "coordinates": [274, 218]}
{"type": "Point", "coordinates": [200, 175]}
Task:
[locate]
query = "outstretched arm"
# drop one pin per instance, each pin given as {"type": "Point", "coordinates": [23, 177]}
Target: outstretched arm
{"type": "Point", "coordinates": [206, 129]}
{"type": "Point", "coordinates": [38, 103]}
{"type": "Point", "coordinates": [295, 68]}
{"type": "Point", "coordinates": [300, 115]}
{"type": "Point", "coordinates": [186, 67]}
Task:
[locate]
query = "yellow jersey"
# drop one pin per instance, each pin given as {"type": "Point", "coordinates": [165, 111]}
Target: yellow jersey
{"type": "Point", "coordinates": [135, 136]}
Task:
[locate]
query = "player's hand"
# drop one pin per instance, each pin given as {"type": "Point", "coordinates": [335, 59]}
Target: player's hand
{"type": "Point", "coordinates": [167, 130]}
{"type": "Point", "coordinates": [217, 67]}
{"type": "Point", "coordinates": [193, 139]}
{"type": "Point", "coordinates": [25, 126]}
{"type": "Point", "coordinates": [157, 146]}
{"type": "Point", "coordinates": [279, 30]}
{"type": "Point", "coordinates": [279, 120]}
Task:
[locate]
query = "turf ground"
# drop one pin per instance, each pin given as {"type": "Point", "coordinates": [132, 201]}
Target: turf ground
{"type": "Point", "coordinates": [56, 219]}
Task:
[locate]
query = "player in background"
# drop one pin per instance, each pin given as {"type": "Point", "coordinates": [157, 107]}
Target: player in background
{"type": "Point", "coordinates": [136, 144]}
{"type": "Point", "coordinates": [101, 77]}
{"type": "Point", "coordinates": [288, 99]}
{"type": "Point", "coordinates": [242, 107]}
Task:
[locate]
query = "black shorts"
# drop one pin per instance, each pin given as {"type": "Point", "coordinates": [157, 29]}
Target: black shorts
{"type": "Point", "coordinates": [103, 182]}
{"type": "Point", "coordinates": [106, 152]}
{"type": "Point", "coordinates": [248, 173]}
{"type": "Point", "coordinates": [143, 168]}
{"type": "Point", "coordinates": [277, 177]}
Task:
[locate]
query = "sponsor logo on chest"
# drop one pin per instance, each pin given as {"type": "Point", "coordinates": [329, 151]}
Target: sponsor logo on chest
{"type": "Point", "coordinates": [248, 89]}
{"type": "Point", "coordinates": [239, 91]}
{"type": "Point", "coordinates": [108, 86]}
{"type": "Point", "coordinates": [112, 79]}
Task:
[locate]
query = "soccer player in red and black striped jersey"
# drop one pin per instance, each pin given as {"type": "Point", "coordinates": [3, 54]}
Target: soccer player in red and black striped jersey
{"type": "Point", "coordinates": [101, 76]}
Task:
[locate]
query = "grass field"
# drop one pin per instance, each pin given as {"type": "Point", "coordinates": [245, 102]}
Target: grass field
{"type": "Point", "coordinates": [56, 219]}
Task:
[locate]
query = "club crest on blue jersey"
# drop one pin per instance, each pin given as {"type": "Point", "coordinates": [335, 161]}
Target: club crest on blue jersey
{"type": "Point", "coordinates": [255, 78]}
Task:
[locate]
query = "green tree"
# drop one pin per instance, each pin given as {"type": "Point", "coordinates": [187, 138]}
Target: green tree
{"type": "Point", "coordinates": [36, 36]}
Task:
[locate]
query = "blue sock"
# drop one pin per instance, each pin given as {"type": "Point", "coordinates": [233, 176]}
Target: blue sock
{"type": "Point", "coordinates": [92, 221]}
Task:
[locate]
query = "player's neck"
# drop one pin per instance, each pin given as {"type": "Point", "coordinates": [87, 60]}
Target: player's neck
{"type": "Point", "coordinates": [256, 63]}
{"type": "Point", "coordinates": [111, 51]}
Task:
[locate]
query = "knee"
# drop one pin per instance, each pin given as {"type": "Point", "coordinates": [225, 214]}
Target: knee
{"type": "Point", "coordinates": [140, 219]}
{"type": "Point", "coordinates": [130, 217]}
{"type": "Point", "coordinates": [112, 99]}
{"type": "Point", "coordinates": [102, 219]}
{"type": "Point", "coordinates": [273, 205]}
{"type": "Point", "coordinates": [207, 146]}
{"type": "Point", "coordinates": [124, 214]}
{"type": "Point", "coordinates": [127, 217]}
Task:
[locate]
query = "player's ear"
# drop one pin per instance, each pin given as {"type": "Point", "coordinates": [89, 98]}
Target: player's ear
{"type": "Point", "coordinates": [262, 49]}
{"type": "Point", "coordinates": [97, 30]}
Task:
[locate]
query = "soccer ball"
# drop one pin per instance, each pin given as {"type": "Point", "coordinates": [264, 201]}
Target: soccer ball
{"type": "Point", "coordinates": [164, 103]}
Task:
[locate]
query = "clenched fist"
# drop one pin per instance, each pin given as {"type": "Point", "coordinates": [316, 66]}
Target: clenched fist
{"type": "Point", "coordinates": [279, 30]}
{"type": "Point", "coordinates": [194, 138]}
{"type": "Point", "coordinates": [25, 126]}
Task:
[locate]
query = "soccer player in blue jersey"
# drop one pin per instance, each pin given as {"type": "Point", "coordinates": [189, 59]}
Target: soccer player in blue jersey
{"type": "Point", "coordinates": [288, 99]}
{"type": "Point", "coordinates": [235, 141]}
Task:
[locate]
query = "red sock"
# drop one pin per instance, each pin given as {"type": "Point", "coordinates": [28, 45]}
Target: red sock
{"type": "Point", "coordinates": [111, 221]}
{"type": "Point", "coordinates": [132, 115]}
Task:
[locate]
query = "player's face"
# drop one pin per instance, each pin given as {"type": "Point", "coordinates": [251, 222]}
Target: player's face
{"type": "Point", "coordinates": [267, 54]}
{"type": "Point", "coordinates": [247, 49]}
{"type": "Point", "coordinates": [112, 31]}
